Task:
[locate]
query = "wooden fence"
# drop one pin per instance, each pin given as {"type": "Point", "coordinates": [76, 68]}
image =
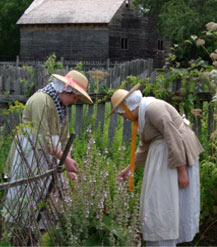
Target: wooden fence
{"type": "Point", "coordinates": [87, 65]}
{"type": "Point", "coordinates": [13, 87]}
{"type": "Point", "coordinates": [15, 81]}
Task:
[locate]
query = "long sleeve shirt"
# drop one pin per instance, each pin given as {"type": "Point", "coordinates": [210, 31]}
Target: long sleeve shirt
{"type": "Point", "coordinates": [162, 121]}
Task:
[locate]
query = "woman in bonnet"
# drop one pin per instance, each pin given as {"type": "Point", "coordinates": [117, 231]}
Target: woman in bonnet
{"type": "Point", "coordinates": [169, 150]}
{"type": "Point", "coordinates": [43, 144]}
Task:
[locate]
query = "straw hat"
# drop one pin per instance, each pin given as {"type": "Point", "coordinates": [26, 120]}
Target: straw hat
{"type": "Point", "coordinates": [77, 81]}
{"type": "Point", "coordinates": [119, 96]}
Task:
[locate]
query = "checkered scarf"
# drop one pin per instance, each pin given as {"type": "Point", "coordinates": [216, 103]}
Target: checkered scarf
{"type": "Point", "coordinates": [61, 109]}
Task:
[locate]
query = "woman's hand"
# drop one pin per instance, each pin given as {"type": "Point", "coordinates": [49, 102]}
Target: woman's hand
{"type": "Point", "coordinates": [122, 175]}
{"type": "Point", "coordinates": [71, 165]}
{"type": "Point", "coordinates": [72, 176]}
{"type": "Point", "coordinates": [183, 178]}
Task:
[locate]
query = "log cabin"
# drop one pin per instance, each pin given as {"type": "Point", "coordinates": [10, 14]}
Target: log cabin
{"type": "Point", "coordinates": [89, 30]}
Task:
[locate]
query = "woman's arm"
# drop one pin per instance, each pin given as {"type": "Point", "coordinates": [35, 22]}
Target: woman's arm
{"type": "Point", "coordinates": [183, 178]}
{"type": "Point", "coordinates": [140, 158]}
{"type": "Point", "coordinates": [160, 118]}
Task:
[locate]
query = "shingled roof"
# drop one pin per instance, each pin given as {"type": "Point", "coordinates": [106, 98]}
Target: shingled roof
{"type": "Point", "coordinates": [70, 11]}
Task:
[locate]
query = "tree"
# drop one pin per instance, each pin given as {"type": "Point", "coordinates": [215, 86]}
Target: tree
{"type": "Point", "coordinates": [179, 20]}
{"type": "Point", "coordinates": [10, 12]}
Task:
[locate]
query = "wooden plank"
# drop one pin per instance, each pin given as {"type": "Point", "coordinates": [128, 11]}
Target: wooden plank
{"type": "Point", "coordinates": [132, 68]}
{"type": "Point", "coordinates": [90, 111]}
{"type": "Point", "coordinates": [16, 81]}
{"type": "Point", "coordinates": [39, 78]}
{"type": "Point", "coordinates": [104, 82]}
{"type": "Point", "coordinates": [127, 131]}
{"type": "Point", "coordinates": [22, 77]}
{"type": "Point", "coordinates": [127, 69]}
{"type": "Point", "coordinates": [1, 83]}
{"type": "Point", "coordinates": [116, 79]}
{"type": "Point", "coordinates": [100, 116]}
{"type": "Point", "coordinates": [108, 79]}
{"type": "Point", "coordinates": [17, 86]}
{"type": "Point", "coordinates": [6, 80]}
{"type": "Point", "coordinates": [210, 119]}
{"type": "Point", "coordinates": [79, 119]}
{"type": "Point", "coordinates": [145, 70]}
{"type": "Point", "coordinates": [12, 80]}
{"type": "Point", "coordinates": [112, 127]}
{"type": "Point", "coordinates": [122, 72]}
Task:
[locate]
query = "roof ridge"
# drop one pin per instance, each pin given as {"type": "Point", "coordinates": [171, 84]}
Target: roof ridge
{"type": "Point", "coordinates": [63, 11]}
{"type": "Point", "coordinates": [33, 5]}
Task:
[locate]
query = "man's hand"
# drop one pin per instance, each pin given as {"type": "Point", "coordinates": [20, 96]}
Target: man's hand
{"type": "Point", "coordinates": [183, 178]}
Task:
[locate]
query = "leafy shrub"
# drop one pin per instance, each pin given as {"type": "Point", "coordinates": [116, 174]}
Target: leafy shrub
{"type": "Point", "coordinates": [99, 212]}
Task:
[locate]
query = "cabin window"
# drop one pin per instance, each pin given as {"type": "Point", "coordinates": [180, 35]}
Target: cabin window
{"type": "Point", "coordinates": [160, 45]}
{"type": "Point", "coordinates": [124, 43]}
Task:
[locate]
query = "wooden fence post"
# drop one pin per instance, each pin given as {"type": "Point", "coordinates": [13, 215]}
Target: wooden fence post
{"type": "Point", "coordinates": [17, 61]}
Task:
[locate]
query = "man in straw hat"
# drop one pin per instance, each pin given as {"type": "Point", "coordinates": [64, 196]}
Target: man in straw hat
{"type": "Point", "coordinates": [42, 142]}
{"type": "Point", "coordinates": [169, 150]}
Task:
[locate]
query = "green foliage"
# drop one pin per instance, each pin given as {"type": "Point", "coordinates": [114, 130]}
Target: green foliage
{"type": "Point", "coordinates": [96, 77]}
{"type": "Point", "coordinates": [14, 107]}
{"type": "Point", "coordinates": [199, 48]}
{"type": "Point", "coordinates": [129, 82]}
{"type": "Point", "coordinates": [208, 171]}
{"type": "Point", "coordinates": [29, 85]}
{"type": "Point", "coordinates": [177, 20]}
{"type": "Point", "coordinates": [52, 65]}
{"type": "Point", "coordinates": [46, 240]}
{"type": "Point", "coordinates": [208, 177]}
{"type": "Point", "coordinates": [5, 243]}
{"type": "Point", "coordinates": [79, 67]}
{"type": "Point", "coordinates": [6, 135]}
{"type": "Point", "coordinates": [5, 141]}
{"type": "Point", "coordinates": [180, 20]}
{"type": "Point", "coordinates": [101, 139]}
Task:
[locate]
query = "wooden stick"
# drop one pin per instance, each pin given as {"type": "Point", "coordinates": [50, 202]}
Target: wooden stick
{"type": "Point", "coordinates": [45, 174]}
{"type": "Point", "coordinates": [25, 180]}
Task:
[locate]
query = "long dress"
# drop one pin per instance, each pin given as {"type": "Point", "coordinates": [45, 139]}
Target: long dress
{"type": "Point", "coordinates": [166, 211]}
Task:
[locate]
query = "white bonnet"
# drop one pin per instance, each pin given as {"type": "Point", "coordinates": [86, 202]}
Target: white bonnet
{"type": "Point", "coordinates": [132, 101]}
{"type": "Point", "coordinates": [60, 87]}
